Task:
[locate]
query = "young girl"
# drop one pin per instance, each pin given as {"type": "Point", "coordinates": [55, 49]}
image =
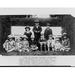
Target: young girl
{"type": "Point", "coordinates": [57, 45]}
{"type": "Point", "coordinates": [9, 45]}
{"type": "Point", "coordinates": [19, 45]}
{"type": "Point", "coordinates": [25, 45]}
{"type": "Point", "coordinates": [28, 33]}
{"type": "Point", "coordinates": [33, 44]}
{"type": "Point", "coordinates": [66, 43]}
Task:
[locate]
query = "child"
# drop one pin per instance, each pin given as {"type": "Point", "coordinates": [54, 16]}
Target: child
{"type": "Point", "coordinates": [19, 45]}
{"type": "Point", "coordinates": [33, 44]}
{"type": "Point", "coordinates": [9, 45]}
{"type": "Point", "coordinates": [25, 45]}
{"type": "Point", "coordinates": [42, 42]}
{"type": "Point", "coordinates": [28, 33]}
{"type": "Point", "coordinates": [57, 45]}
{"type": "Point", "coordinates": [50, 43]}
{"type": "Point", "coordinates": [66, 43]}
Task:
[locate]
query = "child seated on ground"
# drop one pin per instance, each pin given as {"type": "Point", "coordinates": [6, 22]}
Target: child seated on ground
{"type": "Point", "coordinates": [25, 45]}
{"type": "Point", "coordinates": [19, 44]}
{"type": "Point", "coordinates": [66, 43]}
{"type": "Point", "coordinates": [33, 45]}
{"type": "Point", "coordinates": [57, 45]}
{"type": "Point", "coordinates": [9, 45]}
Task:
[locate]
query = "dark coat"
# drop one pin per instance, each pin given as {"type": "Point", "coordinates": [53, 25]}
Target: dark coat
{"type": "Point", "coordinates": [37, 30]}
{"type": "Point", "coordinates": [47, 32]}
{"type": "Point", "coordinates": [28, 34]}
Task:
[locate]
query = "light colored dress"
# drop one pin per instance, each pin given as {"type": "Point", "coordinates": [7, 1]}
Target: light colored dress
{"type": "Point", "coordinates": [58, 46]}
{"type": "Point", "coordinates": [25, 45]}
{"type": "Point", "coordinates": [9, 45]}
{"type": "Point", "coordinates": [50, 43]}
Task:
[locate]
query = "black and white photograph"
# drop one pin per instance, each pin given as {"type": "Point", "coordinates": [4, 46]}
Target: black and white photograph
{"type": "Point", "coordinates": [37, 36]}
{"type": "Point", "coordinates": [32, 35]}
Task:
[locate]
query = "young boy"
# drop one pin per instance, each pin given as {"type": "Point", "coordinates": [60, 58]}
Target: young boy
{"type": "Point", "coordinates": [42, 42]}
{"type": "Point", "coordinates": [50, 43]}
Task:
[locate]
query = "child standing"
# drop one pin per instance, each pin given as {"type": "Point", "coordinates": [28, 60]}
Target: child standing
{"type": "Point", "coordinates": [50, 43]}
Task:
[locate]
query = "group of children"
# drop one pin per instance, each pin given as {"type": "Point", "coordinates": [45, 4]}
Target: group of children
{"type": "Point", "coordinates": [30, 43]}
{"type": "Point", "coordinates": [20, 44]}
{"type": "Point", "coordinates": [58, 44]}
{"type": "Point", "coordinates": [23, 45]}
